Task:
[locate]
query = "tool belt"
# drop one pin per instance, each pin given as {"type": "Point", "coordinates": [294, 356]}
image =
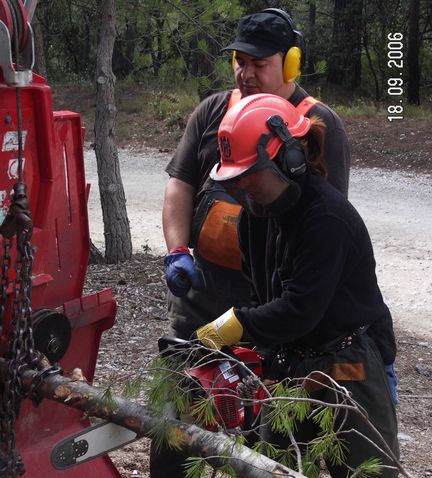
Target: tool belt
{"type": "Point", "coordinates": [214, 235]}
{"type": "Point", "coordinates": [287, 352]}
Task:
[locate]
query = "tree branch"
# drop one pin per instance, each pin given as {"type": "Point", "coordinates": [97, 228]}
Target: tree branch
{"type": "Point", "coordinates": [218, 448]}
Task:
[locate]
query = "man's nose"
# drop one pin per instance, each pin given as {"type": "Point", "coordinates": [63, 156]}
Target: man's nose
{"type": "Point", "coordinates": [248, 71]}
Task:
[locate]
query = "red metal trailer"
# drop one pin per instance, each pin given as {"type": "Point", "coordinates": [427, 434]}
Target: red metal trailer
{"type": "Point", "coordinates": [67, 324]}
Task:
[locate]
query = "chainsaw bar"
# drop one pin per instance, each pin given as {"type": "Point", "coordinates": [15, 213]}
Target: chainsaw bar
{"type": "Point", "coordinates": [90, 443]}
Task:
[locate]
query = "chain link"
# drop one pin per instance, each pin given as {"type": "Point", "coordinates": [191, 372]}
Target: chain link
{"type": "Point", "coordinates": [20, 352]}
{"type": "Point", "coordinates": [4, 281]}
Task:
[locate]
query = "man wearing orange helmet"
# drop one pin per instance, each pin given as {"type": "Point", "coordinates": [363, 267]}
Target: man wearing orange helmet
{"type": "Point", "coordinates": [197, 212]}
{"type": "Point", "coordinates": [315, 303]}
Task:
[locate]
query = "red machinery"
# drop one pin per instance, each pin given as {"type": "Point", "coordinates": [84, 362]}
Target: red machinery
{"type": "Point", "coordinates": [221, 378]}
{"type": "Point", "coordinates": [67, 325]}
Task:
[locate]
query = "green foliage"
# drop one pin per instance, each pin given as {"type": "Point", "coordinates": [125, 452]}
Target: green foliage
{"type": "Point", "coordinates": [172, 106]}
{"type": "Point", "coordinates": [165, 435]}
{"type": "Point", "coordinates": [310, 467]}
{"type": "Point", "coordinates": [107, 398]}
{"type": "Point", "coordinates": [133, 387]}
{"type": "Point", "coordinates": [196, 467]}
{"type": "Point", "coordinates": [199, 468]}
{"type": "Point", "coordinates": [324, 419]}
{"type": "Point", "coordinates": [368, 468]}
{"type": "Point", "coordinates": [165, 382]}
{"type": "Point", "coordinates": [285, 414]}
{"type": "Point", "coordinates": [329, 447]}
{"type": "Point", "coordinates": [359, 108]}
{"type": "Point", "coordinates": [203, 411]}
{"type": "Point", "coordinates": [165, 43]}
{"type": "Point", "coordinates": [227, 471]}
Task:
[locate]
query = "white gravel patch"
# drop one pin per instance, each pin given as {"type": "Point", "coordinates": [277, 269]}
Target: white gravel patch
{"type": "Point", "coordinates": [397, 209]}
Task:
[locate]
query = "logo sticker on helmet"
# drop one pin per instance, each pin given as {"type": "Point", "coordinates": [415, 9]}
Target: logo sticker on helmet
{"type": "Point", "coordinates": [225, 147]}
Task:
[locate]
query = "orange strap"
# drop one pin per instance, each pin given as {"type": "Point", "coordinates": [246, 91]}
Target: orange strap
{"type": "Point", "coordinates": [305, 105]}
{"type": "Point", "coordinates": [234, 98]}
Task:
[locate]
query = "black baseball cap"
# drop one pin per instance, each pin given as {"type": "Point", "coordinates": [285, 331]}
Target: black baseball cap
{"type": "Point", "coordinates": [262, 34]}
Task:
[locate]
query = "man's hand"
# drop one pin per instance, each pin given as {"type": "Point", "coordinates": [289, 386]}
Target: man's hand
{"type": "Point", "coordinates": [181, 273]}
{"type": "Point", "coordinates": [225, 330]}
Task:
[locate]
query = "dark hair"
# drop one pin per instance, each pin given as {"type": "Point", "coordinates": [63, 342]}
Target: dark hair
{"type": "Point", "coordinates": [314, 143]}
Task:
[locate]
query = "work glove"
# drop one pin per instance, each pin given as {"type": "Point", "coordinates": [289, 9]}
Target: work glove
{"type": "Point", "coordinates": [225, 330]}
{"type": "Point", "coordinates": [181, 273]}
{"type": "Point", "coordinates": [392, 380]}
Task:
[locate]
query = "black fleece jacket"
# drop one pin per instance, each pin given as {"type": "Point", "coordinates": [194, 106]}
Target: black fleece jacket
{"type": "Point", "coordinates": [312, 274]}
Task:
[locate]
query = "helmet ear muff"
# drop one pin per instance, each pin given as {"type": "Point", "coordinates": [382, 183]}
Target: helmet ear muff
{"type": "Point", "coordinates": [292, 160]}
{"type": "Point", "coordinates": [292, 156]}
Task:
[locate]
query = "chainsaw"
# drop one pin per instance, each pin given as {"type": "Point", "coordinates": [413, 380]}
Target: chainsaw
{"type": "Point", "coordinates": [220, 379]}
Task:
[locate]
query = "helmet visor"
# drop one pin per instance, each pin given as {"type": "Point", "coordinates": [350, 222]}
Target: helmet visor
{"type": "Point", "coordinates": [253, 203]}
{"type": "Point", "coordinates": [233, 173]}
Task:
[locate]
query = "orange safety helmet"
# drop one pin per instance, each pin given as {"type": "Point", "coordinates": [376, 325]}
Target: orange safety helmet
{"type": "Point", "coordinates": [243, 126]}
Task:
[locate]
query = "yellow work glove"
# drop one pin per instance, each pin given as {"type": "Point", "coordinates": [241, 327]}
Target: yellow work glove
{"type": "Point", "coordinates": [225, 330]}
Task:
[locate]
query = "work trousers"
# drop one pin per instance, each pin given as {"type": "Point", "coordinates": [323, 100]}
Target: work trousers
{"type": "Point", "coordinates": [358, 368]}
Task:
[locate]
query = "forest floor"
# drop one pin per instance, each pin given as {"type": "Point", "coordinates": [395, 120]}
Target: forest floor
{"type": "Point", "coordinates": [139, 287]}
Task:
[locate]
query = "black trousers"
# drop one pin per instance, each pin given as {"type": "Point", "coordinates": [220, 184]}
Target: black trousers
{"type": "Point", "coordinates": [358, 368]}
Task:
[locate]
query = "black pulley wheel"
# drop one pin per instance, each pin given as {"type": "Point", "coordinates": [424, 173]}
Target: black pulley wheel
{"type": "Point", "coordinates": [52, 333]}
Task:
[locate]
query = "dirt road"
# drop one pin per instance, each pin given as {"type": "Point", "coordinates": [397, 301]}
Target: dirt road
{"type": "Point", "coordinates": [395, 206]}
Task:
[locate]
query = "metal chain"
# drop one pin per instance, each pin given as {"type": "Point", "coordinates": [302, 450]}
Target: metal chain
{"type": "Point", "coordinates": [4, 281]}
{"type": "Point", "coordinates": [21, 350]}
{"type": "Point", "coordinates": [10, 462]}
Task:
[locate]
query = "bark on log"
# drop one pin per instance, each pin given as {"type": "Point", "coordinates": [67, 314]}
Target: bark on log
{"type": "Point", "coordinates": [194, 440]}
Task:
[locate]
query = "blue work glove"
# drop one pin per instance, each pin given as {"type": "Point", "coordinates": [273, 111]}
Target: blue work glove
{"type": "Point", "coordinates": [181, 273]}
{"type": "Point", "coordinates": [392, 380]}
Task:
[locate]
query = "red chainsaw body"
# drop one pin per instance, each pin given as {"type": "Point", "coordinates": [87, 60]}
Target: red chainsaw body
{"type": "Point", "coordinates": [54, 174]}
{"type": "Point", "coordinates": [220, 379]}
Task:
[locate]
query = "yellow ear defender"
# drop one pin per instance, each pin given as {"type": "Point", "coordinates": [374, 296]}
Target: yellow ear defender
{"type": "Point", "coordinates": [291, 65]}
{"type": "Point", "coordinates": [233, 59]}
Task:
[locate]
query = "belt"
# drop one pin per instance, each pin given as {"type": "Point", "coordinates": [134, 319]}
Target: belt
{"type": "Point", "coordinates": [287, 351]}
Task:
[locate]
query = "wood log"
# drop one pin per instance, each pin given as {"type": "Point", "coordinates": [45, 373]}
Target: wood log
{"type": "Point", "coordinates": [218, 448]}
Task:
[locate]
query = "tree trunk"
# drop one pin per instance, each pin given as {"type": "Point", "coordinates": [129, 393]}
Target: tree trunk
{"type": "Point", "coordinates": [371, 63]}
{"type": "Point", "coordinates": [118, 243]}
{"type": "Point", "coordinates": [311, 45]}
{"type": "Point", "coordinates": [40, 63]}
{"type": "Point", "coordinates": [96, 256]}
{"type": "Point", "coordinates": [193, 441]}
{"type": "Point", "coordinates": [345, 57]}
{"type": "Point", "coordinates": [413, 92]}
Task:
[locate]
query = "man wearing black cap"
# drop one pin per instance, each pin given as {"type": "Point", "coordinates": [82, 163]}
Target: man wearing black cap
{"type": "Point", "coordinates": [198, 214]}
